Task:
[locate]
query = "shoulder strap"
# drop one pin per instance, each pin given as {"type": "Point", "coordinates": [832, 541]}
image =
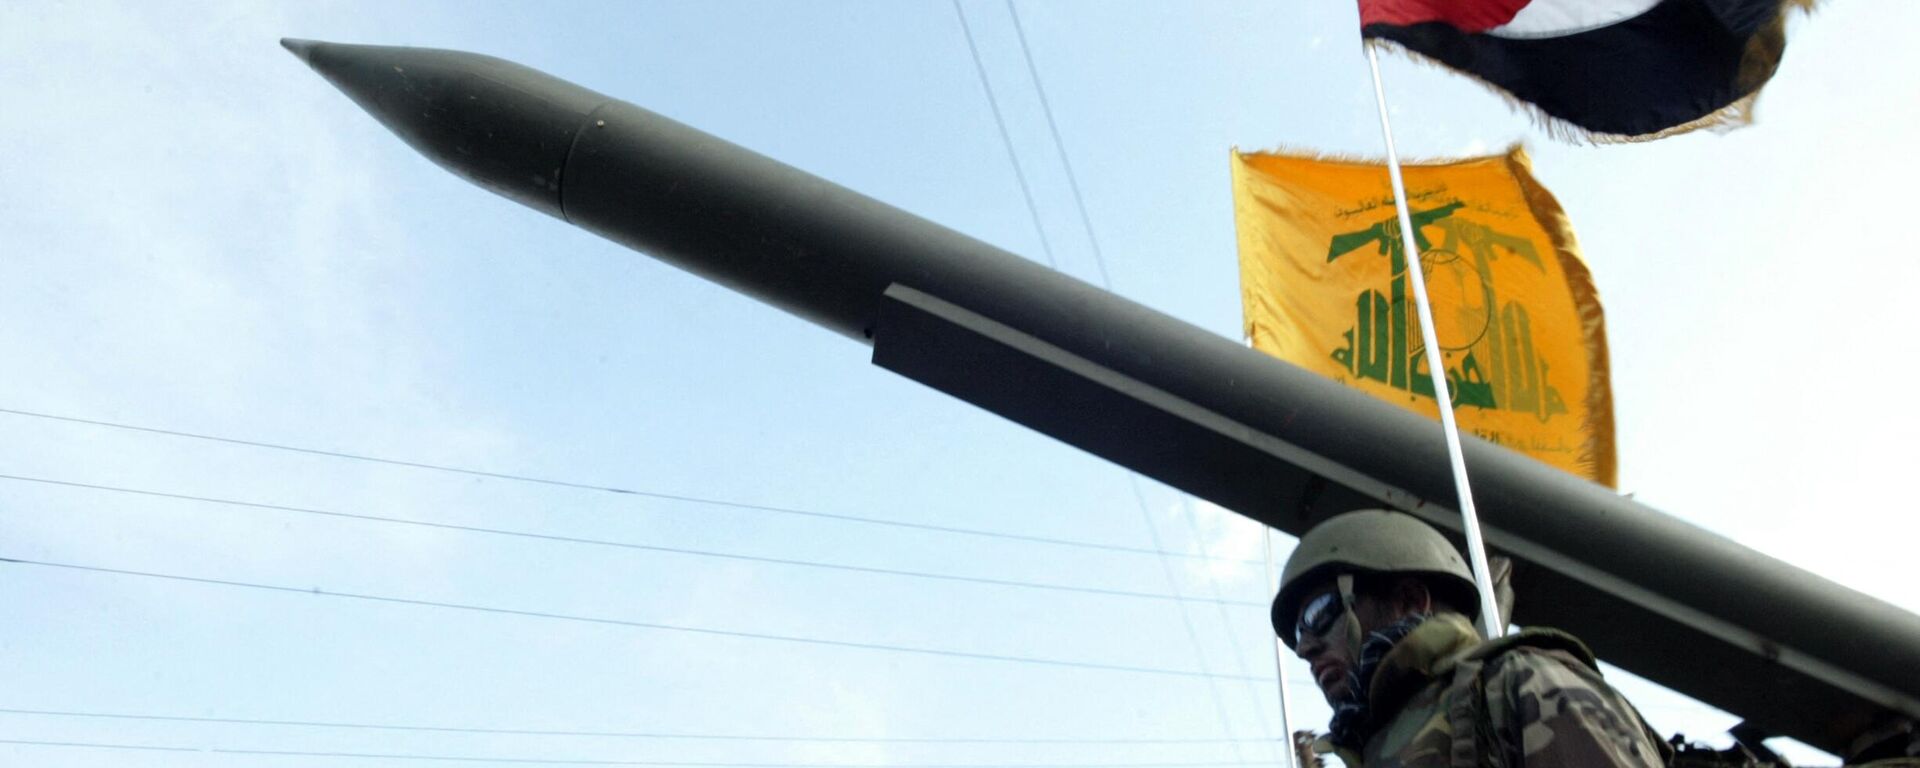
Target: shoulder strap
{"type": "Point", "coordinates": [1474, 745]}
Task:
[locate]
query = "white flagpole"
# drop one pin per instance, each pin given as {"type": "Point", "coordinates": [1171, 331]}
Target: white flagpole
{"type": "Point", "coordinates": [1279, 658]}
{"type": "Point", "coordinates": [1436, 368]}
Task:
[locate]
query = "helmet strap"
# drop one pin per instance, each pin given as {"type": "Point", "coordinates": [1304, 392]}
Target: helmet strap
{"type": "Point", "coordinates": [1355, 635]}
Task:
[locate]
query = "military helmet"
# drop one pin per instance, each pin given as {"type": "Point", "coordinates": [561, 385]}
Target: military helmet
{"type": "Point", "coordinates": [1372, 541]}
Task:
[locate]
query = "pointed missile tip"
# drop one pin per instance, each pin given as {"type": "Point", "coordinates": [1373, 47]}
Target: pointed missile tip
{"type": "Point", "coordinates": [300, 48]}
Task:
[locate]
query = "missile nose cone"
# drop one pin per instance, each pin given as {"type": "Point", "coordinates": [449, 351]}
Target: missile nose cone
{"type": "Point", "coordinates": [503, 126]}
{"type": "Point", "coordinates": [300, 48]}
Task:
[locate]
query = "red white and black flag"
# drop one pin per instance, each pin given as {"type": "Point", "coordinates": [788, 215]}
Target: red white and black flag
{"type": "Point", "coordinates": [1608, 69]}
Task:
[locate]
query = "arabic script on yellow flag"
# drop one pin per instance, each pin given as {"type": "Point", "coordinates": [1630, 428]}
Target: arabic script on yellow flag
{"type": "Point", "coordinates": [1324, 286]}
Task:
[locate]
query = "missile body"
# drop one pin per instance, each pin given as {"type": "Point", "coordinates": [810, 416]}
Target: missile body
{"type": "Point", "coordinates": [1793, 653]}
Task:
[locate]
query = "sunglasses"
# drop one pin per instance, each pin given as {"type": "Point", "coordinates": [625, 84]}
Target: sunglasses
{"type": "Point", "coordinates": [1318, 616]}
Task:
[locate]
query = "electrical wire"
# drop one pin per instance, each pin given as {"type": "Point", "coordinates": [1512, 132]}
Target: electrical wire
{"type": "Point", "coordinates": [1106, 281]}
{"type": "Point", "coordinates": [664, 735]}
{"type": "Point", "coordinates": [1186, 621]}
{"type": "Point", "coordinates": [817, 641]}
{"type": "Point", "coordinates": [604, 488]}
{"type": "Point", "coordinates": [1039, 229]}
{"type": "Point", "coordinates": [1006, 139]}
{"type": "Point", "coordinates": [557, 761]}
{"type": "Point", "coordinates": [599, 734]}
{"type": "Point", "coordinates": [1060, 146]}
{"type": "Point", "coordinates": [1233, 638]}
{"type": "Point", "coordinates": [624, 545]}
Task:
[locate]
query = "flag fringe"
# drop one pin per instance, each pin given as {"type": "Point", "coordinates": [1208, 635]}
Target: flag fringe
{"type": "Point", "coordinates": [1600, 454]}
{"type": "Point", "coordinates": [1262, 189]}
{"type": "Point", "coordinates": [1756, 67]}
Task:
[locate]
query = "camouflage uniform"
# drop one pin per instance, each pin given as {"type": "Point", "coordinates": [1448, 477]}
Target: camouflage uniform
{"type": "Point", "coordinates": [1531, 699]}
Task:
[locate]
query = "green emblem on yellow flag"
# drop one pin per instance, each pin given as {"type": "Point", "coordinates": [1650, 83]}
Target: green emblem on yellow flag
{"type": "Point", "coordinates": [1323, 282]}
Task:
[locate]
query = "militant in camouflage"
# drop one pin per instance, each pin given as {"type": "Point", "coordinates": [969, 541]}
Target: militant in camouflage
{"type": "Point", "coordinates": [1443, 698]}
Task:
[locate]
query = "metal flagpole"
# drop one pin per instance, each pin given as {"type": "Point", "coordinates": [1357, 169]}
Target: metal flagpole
{"type": "Point", "coordinates": [1436, 368]}
{"type": "Point", "coordinates": [1279, 659]}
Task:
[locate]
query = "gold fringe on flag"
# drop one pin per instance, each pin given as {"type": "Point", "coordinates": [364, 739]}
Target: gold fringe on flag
{"type": "Point", "coordinates": [1324, 286]}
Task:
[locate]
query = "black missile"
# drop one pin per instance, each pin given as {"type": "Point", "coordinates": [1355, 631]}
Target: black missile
{"type": "Point", "coordinates": [1795, 654]}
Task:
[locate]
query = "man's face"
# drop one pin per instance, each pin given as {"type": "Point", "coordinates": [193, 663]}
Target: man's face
{"type": "Point", "coordinates": [1322, 642]}
{"type": "Point", "coordinates": [1324, 631]}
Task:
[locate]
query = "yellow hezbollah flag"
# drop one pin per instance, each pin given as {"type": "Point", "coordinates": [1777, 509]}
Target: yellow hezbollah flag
{"type": "Point", "coordinates": [1323, 283]}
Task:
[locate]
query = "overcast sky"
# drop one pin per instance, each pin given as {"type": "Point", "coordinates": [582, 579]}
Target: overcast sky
{"type": "Point", "coordinates": [201, 235]}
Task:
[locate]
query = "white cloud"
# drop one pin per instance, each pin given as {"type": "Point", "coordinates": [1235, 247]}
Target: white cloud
{"type": "Point", "coordinates": [1231, 541]}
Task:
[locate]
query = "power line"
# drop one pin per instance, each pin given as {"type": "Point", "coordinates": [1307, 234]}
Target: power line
{"type": "Point", "coordinates": [316, 591]}
{"type": "Point", "coordinates": [1193, 637]}
{"type": "Point", "coordinates": [1233, 638]}
{"type": "Point", "coordinates": [607, 489]}
{"type": "Point", "coordinates": [554, 761]}
{"type": "Point", "coordinates": [1106, 280]}
{"type": "Point", "coordinates": [1046, 108]}
{"type": "Point", "coordinates": [1186, 621]}
{"type": "Point", "coordinates": [1006, 139]}
{"type": "Point", "coordinates": [629, 545]}
{"type": "Point", "coordinates": [599, 734]}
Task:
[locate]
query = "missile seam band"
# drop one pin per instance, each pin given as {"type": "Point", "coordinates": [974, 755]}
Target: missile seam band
{"type": "Point", "coordinates": [586, 124]}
